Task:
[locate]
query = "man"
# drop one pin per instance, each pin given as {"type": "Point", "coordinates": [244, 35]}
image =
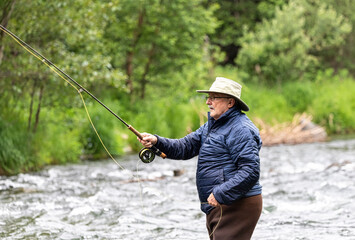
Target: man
{"type": "Point", "coordinates": [228, 167]}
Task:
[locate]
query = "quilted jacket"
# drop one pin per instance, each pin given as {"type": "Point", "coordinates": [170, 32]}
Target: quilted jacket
{"type": "Point", "coordinates": [228, 162]}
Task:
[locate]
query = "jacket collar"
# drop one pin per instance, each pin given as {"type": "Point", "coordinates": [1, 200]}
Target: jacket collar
{"type": "Point", "coordinates": [223, 118]}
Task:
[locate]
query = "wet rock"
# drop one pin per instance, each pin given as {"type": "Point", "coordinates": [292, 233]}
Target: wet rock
{"type": "Point", "coordinates": [178, 172]}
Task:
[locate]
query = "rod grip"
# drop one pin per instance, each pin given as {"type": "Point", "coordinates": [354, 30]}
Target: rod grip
{"type": "Point", "coordinates": [138, 134]}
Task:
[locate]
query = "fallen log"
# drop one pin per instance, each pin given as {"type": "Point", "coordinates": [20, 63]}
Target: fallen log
{"type": "Point", "coordinates": [300, 130]}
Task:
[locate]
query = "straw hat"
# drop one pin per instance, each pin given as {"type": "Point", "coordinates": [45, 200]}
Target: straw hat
{"type": "Point", "coordinates": [229, 87]}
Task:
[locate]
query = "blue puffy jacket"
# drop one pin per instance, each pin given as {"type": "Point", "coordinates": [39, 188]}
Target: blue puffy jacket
{"type": "Point", "coordinates": [228, 162]}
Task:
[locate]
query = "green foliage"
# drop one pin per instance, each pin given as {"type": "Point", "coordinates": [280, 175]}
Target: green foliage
{"type": "Point", "coordinates": [110, 132]}
{"type": "Point", "coordinates": [14, 153]}
{"type": "Point", "coordinates": [334, 104]}
{"type": "Point", "coordinates": [299, 96]}
{"type": "Point", "coordinates": [266, 104]}
{"type": "Point", "coordinates": [150, 40]}
{"type": "Point", "coordinates": [343, 58]}
{"type": "Point", "coordinates": [290, 46]}
{"type": "Point", "coordinates": [233, 17]}
{"type": "Point", "coordinates": [57, 140]}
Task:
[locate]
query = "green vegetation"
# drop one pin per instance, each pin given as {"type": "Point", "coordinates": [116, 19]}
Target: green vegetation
{"type": "Point", "coordinates": [145, 59]}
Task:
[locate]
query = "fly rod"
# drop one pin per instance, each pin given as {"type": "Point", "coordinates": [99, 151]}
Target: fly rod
{"type": "Point", "coordinates": [147, 155]}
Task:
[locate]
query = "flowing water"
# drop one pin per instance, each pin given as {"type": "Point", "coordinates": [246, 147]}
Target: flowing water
{"type": "Point", "coordinates": [308, 193]}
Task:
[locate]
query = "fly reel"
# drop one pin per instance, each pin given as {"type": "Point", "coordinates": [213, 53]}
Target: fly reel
{"type": "Point", "coordinates": [147, 155]}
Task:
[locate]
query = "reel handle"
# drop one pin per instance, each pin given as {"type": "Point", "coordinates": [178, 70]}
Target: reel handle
{"type": "Point", "coordinates": [155, 149]}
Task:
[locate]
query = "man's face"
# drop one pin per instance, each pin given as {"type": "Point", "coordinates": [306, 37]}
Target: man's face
{"type": "Point", "coordinates": [219, 104]}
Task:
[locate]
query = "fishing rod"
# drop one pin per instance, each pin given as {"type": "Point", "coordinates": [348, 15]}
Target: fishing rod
{"type": "Point", "coordinates": [147, 155]}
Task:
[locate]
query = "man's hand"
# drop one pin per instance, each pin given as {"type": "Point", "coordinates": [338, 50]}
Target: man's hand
{"type": "Point", "coordinates": [212, 201]}
{"type": "Point", "coordinates": [148, 140]}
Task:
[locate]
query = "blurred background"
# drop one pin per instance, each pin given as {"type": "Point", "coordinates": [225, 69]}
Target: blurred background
{"type": "Point", "coordinates": [145, 59]}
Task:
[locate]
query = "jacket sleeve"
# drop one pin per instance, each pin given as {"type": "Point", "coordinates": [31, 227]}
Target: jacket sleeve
{"type": "Point", "coordinates": [244, 148]}
{"type": "Point", "coordinates": [183, 148]}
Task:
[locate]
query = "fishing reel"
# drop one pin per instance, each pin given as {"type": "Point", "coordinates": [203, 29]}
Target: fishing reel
{"type": "Point", "coordinates": [147, 155]}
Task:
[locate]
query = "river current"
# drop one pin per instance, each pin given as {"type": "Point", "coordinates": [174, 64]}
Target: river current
{"type": "Point", "coordinates": [308, 193]}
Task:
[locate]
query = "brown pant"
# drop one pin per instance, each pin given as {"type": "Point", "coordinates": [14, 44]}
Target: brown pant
{"type": "Point", "coordinates": [238, 220]}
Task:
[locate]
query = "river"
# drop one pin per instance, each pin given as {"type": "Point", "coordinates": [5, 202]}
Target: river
{"type": "Point", "coordinates": [308, 193]}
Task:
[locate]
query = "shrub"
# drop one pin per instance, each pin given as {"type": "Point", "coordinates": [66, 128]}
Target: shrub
{"type": "Point", "coordinates": [334, 105]}
{"type": "Point", "coordinates": [298, 95]}
{"type": "Point", "coordinates": [15, 152]}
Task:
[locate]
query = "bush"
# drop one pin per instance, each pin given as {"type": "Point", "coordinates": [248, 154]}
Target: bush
{"type": "Point", "coordinates": [334, 104]}
{"type": "Point", "coordinates": [266, 103]}
{"type": "Point", "coordinates": [109, 128]}
{"type": "Point", "coordinates": [57, 139]}
{"type": "Point", "coordinates": [14, 152]}
{"type": "Point", "coordinates": [293, 44]}
{"type": "Point", "coordinates": [298, 95]}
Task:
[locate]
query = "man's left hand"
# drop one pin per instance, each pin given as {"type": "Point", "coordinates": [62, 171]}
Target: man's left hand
{"type": "Point", "coordinates": [212, 201]}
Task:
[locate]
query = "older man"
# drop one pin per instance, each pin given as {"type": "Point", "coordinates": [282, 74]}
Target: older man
{"type": "Point", "coordinates": [227, 177]}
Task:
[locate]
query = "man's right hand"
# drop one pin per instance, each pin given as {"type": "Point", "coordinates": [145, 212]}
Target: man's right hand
{"type": "Point", "coordinates": [148, 140]}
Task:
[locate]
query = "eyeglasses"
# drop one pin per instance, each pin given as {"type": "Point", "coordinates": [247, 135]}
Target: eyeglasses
{"type": "Point", "coordinates": [214, 98]}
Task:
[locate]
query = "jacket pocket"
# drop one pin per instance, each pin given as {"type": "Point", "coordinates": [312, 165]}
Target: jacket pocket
{"type": "Point", "coordinates": [211, 178]}
{"type": "Point", "coordinates": [206, 182]}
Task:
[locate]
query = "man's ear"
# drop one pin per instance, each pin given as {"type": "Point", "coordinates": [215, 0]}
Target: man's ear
{"type": "Point", "coordinates": [231, 102]}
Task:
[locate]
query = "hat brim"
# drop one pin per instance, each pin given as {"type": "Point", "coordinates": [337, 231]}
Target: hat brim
{"type": "Point", "coordinates": [242, 104]}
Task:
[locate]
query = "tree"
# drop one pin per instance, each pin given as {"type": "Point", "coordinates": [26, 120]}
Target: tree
{"type": "Point", "coordinates": [57, 31]}
{"type": "Point", "coordinates": [293, 43]}
{"type": "Point", "coordinates": [7, 8]}
{"type": "Point", "coordinates": [343, 57]}
{"type": "Point", "coordinates": [233, 16]}
{"type": "Point", "coordinates": [152, 39]}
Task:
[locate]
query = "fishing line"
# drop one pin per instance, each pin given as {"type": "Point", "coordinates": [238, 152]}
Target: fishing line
{"type": "Point", "coordinates": [219, 220]}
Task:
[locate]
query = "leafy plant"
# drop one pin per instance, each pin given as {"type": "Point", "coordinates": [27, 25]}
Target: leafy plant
{"type": "Point", "coordinates": [292, 44]}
